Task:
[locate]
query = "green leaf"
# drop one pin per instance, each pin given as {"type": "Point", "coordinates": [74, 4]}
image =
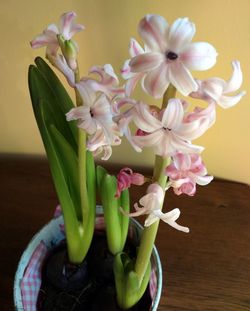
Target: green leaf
{"type": "Point", "coordinates": [100, 173]}
{"type": "Point", "coordinates": [128, 288]}
{"type": "Point", "coordinates": [89, 223]}
{"type": "Point", "coordinates": [124, 219]}
{"type": "Point", "coordinates": [41, 90]}
{"type": "Point", "coordinates": [64, 102]}
{"type": "Point", "coordinates": [69, 164]}
{"type": "Point", "coordinates": [111, 210]}
{"type": "Point", "coordinates": [70, 219]}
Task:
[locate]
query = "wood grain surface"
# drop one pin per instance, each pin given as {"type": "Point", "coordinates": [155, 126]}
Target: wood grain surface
{"type": "Point", "coordinates": [205, 270]}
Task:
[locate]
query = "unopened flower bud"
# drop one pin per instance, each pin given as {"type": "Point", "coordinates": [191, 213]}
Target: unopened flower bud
{"type": "Point", "coordinates": [69, 51]}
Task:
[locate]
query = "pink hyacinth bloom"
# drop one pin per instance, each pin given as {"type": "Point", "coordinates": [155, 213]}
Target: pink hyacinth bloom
{"type": "Point", "coordinates": [170, 132]}
{"type": "Point", "coordinates": [151, 205]}
{"type": "Point", "coordinates": [169, 55]}
{"type": "Point", "coordinates": [216, 90]}
{"type": "Point", "coordinates": [108, 82]}
{"type": "Point", "coordinates": [49, 38]}
{"type": "Point", "coordinates": [95, 117]}
{"type": "Point", "coordinates": [67, 28]}
{"type": "Point", "coordinates": [95, 111]}
{"type": "Point", "coordinates": [185, 172]}
{"type": "Point", "coordinates": [126, 178]}
{"type": "Point", "coordinates": [101, 143]}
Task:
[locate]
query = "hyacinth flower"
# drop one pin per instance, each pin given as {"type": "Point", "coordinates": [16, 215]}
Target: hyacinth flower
{"type": "Point", "coordinates": [216, 90]}
{"type": "Point", "coordinates": [170, 132]}
{"type": "Point", "coordinates": [54, 37]}
{"type": "Point", "coordinates": [185, 172]}
{"type": "Point", "coordinates": [126, 178]}
{"type": "Point", "coordinates": [169, 55]}
{"type": "Point", "coordinates": [151, 205]}
{"type": "Point", "coordinates": [104, 113]}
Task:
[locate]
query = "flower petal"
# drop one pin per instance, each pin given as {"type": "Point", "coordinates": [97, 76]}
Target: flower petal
{"type": "Point", "coordinates": [144, 120]}
{"type": "Point", "coordinates": [230, 101]}
{"type": "Point", "coordinates": [132, 82]}
{"type": "Point", "coordinates": [152, 218]}
{"type": "Point", "coordinates": [170, 218]}
{"type": "Point", "coordinates": [182, 161]}
{"type": "Point", "coordinates": [173, 114]}
{"type": "Point", "coordinates": [180, 34]}
{"type": "Point", "coordinates": [135, 48]}
{"type": "Point", "coordinates": [101, 109]}
{"type": "Point", "coordinates": [86, 93]}
{"type": "Point", "coordinates": [182, 79]}
{"type": "Point", "coordinates": [60, 63]}
{"type": "Point", "coordinates": [203, 180]}
{"type": "Point", "coordinates": [236, 80]}
{"type": "Point", "coordinates": [152, 29]}
{"type": "Point", "coordinates": [184, 146]}
{"type": "Point", "coordinates": [46, 38]}
{"type": "Point", "coordinates": [194, 129]}
{"type": "Point", "coordinates": [152, 139]}
{"type": "Point", "coordinates": [67, 26]}
{"type": "Point", "coordinates": [145, 62]}
{"type": "Point", "coordinates": [199, 56]}
{"type": "Point", "coordinates": [156, 81]}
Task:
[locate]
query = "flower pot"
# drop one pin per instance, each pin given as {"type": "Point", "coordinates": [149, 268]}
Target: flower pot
{"type": "Point", "coordinates": [52, 235]}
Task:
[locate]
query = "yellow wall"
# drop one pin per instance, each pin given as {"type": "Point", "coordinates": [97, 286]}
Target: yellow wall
{"type": "Point", "coordinates": [110, 24]}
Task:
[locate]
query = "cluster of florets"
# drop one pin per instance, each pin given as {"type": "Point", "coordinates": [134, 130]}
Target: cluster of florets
{"type": "Point", "coordinates": [108, 110]}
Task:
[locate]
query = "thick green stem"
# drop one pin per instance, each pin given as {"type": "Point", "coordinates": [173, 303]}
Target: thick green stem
{"type": "Point", "coordinates": [82, 161]}
{"type": "Point", "coordinates": [82, 175]}
{"type": "Point", "coordinates": [76, 248]}
{"type": "Point", "coordinates": [170, 93]}
{"type": "Point", "coordinates": [149, 233]}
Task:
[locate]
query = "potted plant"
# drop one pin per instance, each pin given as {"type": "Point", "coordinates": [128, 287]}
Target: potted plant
{"type": "Point", "coordinates": [74, 132]}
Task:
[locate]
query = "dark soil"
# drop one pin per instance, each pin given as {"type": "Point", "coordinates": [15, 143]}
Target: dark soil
{"type": "Point", "coordinates": [89, 286]}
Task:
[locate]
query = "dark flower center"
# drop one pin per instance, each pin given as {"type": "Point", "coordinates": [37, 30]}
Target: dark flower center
{"type": "Point", "coordinates": [171, 55]}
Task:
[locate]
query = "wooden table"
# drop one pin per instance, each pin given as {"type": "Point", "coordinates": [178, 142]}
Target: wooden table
{"type": "Point", "coordinates": [207, 269]}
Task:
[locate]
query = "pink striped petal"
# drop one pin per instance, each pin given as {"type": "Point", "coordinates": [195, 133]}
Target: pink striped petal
{"type": "Point", "coordinates": [180, 145]}
{"type": "Point", "coordinates": [86, 93]}
{"type": "Point", "coordinates": [135, 48]}
{"type": "Point", "coordinates": [60, 63]}
{"type": "Point", "coordinates": [194, 129]}
{"type": "Point", "coordinates": [199, 56]}
{"type": "Point", "coordinates": [156, 81]}
{"type": "Point", "coordinates": [229, 101]}
{"type": "Point", "coordinates": [181, 33]}
{"type": "Point", "coordinates": [236, 80]}
{"type": "Point", "coordinates": [153, 28]}
{"type": "Point", "coordinates": [67, 26]}
{"type": "Point", "coordinates": [173, 114]}
{"type": "Point", "coordinates": [145, 62]}
{"type": "Point", "coordinates": [144, 120]}
{"type": "Point", "coordinates": [153, 139]}
{"type": "Point", "coordinates": [182, 161]}
{"type": "Point", "coordinates": [46, 38]}
{"type": "Point", "coordinates": [182, 79]}
{"type": "Point", "coordinates": [132, 82]}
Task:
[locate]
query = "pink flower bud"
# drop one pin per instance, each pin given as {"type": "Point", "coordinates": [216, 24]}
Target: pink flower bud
{"type": "Point", "coordinates": [126, 178]}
